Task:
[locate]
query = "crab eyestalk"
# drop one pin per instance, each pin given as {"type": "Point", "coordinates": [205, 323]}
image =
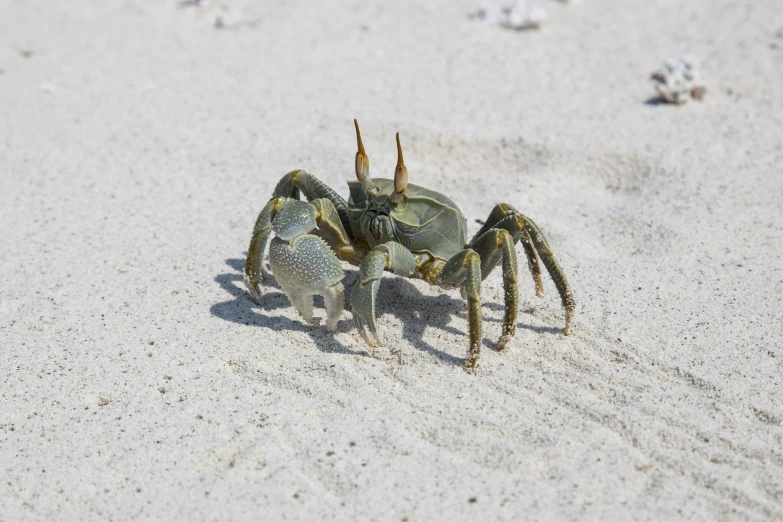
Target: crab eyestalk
{"type": "Point", "coordinates": [400, 173]}
{"type": "Point", "coordinates": [362, 161]}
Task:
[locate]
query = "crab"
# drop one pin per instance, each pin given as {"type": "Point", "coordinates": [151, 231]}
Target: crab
{"type": "Point", "coordinates": [395, 226]}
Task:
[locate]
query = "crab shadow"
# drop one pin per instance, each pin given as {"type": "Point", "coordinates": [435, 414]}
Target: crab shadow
{"type": "Point", "coordinates": [396, 296]}
{"type": "Point", "coordinates": [242, 310]}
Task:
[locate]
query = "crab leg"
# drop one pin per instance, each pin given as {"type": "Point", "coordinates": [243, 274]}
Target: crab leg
{"type": "Point", "coordinates": [254, 265]}
{"type": "Point", "coordinates": [503, 216]}
{"type": "Point", "coordinates": [532, 262]}
{"type": "Point", "coordinates": [536, 246]}
{"type": "Point", "coordinates": [553, 267]}
{"type": "Point", "coordinates": [295, 181]}
{"type": "Point", "coordinates": [499, 212]}
{"type": "Point", "coordinates": [473, 293]}
{"type": "Point", "coordinates": [389, 256]}
{"type": "Point", "coordinates": [464, 271]}
{"type": "Point", "coordinates": [493, 245]}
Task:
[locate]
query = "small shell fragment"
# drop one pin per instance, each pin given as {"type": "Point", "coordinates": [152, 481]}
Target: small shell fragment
{"type": "Point", "coordinates": [679, 80]}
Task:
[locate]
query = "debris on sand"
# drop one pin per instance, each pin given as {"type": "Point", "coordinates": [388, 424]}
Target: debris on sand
{"type": "Point", "coordinates": [679, 80]}
{"type": "Point", "coordinates": [518, 16]}
{"type": "Point", "coordinates": [221, 15]}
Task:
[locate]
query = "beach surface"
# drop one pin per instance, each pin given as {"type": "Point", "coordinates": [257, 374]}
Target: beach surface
{"type": "Point", "coordinates": [140, 139]}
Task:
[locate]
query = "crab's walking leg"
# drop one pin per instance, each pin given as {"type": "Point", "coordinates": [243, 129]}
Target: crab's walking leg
{"type": "Point", "coordinates": [390, 256]}
{"type": "Point", "coordinates": [254, 265]}
{"type": "Point", "coordinates": [303, 263]}
{"type": "Point", "coordinates": [491, 246]}
{"type": "Point", "coordinates": [532, 262]}
{"type": "Point", "coordinates": [553, 267]}
{"type": "Point", "coordinates": [499, 212]}
{"type": "Point", "coordinates": [473, 292]}
{"type": "Point", "coordinates": [295, 181]}
{"type": "Point", "coordinates": [503, 216]}
{"type": "Point", "coordinates": [464, 271]}
{"type": "Point", "coordinates": [517, 229]}
{"type": "Point", "coordinates": [523, 228]}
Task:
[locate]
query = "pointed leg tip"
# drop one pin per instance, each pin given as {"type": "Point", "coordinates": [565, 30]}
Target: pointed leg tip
{"type": "Point", "coordinates": [503, 342]}
{"type": "Point", "coordinates": [253, 290]}
{"type": "Point", "coordinates": [367, 339]}
{"type": "Point", "coordinates": [370, 339]}
{"type": "Point", "coordinates": [569, 316]}
{"type": "Point", "coordinates": [376, 341]}
{"type": "Point", "coordinates": [471, 362]}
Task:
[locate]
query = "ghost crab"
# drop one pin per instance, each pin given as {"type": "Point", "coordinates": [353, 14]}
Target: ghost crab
{"type": "Point", "coordinates": [391, 225]}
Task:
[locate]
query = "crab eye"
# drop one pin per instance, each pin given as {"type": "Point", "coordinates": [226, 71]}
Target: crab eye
{"type": "Point", "coordinates": [400, 179]}
{"type": "Point", "coordinates": [359, 166]}
{"type": "Point", "coordinates": [362, 162]}
{"type": "Point", "coordinates": [401, 172]}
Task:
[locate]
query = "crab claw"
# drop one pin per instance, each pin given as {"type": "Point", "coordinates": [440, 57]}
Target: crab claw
{"type": "Point", "coordinates": [303, 263]}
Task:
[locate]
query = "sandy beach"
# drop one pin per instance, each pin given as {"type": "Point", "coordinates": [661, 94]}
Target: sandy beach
{"type": "Point", "coordinates": [139, 140]}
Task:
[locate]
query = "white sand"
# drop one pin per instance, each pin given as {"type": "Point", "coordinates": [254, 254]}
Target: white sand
{"type": "Point", "coordinates": [138, 143]}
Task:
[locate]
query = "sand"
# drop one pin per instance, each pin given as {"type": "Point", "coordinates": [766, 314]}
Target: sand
{"type": "Point", "coordinates": [138, 142]}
